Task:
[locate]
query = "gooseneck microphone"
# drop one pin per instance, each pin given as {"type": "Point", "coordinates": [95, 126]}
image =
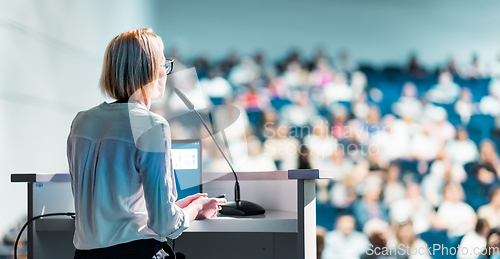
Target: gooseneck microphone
{"type": "Point", "coordinates": [231, 208]}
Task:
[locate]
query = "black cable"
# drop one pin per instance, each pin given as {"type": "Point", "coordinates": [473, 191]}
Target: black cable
{"type": "Point", "coordinates": [70, 214]}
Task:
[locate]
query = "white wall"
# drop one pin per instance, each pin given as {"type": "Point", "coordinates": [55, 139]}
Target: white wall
{"type": "Point", "coordinates": [375, 30]}
{"type": "Point", "coordinates": [50, 62]}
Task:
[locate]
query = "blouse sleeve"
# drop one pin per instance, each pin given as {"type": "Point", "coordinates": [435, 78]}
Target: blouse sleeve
{"type": "Point", "coordinates": [155, 167]}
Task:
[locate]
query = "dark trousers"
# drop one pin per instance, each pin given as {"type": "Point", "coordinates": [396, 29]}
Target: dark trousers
{"type": "Point", "coordinates": [139, 249]}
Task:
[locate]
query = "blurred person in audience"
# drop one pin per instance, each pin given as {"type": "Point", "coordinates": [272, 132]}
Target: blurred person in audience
{"type": "Point", "coordinates": [474, 240]}
{"type": "Point", "coordinates": [465, 106]}
{"type": "Point", "coordinates": [340, 167]}
{"type": "Point", "coordinates": [269, 121]}
{"type": "Point", "coordinates": [256, 160]}
{"type": "Point", "coordinates": [416, 70]}
{"type": "Point", "coordinates": [277, 88]}
{"type": "Point", "coordinates": [408, 102]}
{"type": "Point", "coordinates": [339, 164]}
{"type": "Point", "coordinates": [231, 109]}
{"type": "Point", "coordinates": [340, 114]}
{"type": "Point", "coordinates": [320, 143]}
{"type": "Point", "coordinates": [360, 107]}
{"type": "Point", "coordinates": [254, 99]}
{"type": "Point", "coordinates": [492, 250]}
{"type": "Point", "coordinates": [475, 69]}
{"type": "Point", "coordinates": [376, 161]}
{"type": "Point", "coordinates": [343, 193]}
{"type": "Point", "coordinates": [393, 139]}
{"type": "Point", "coordinates": [358, 83]}
{"type": "Point", "coordinates": [442, 129]}
{"type": "Point", "coordinates": [299, 113]}
{"type": "Point", "coordinates": [445, 91]}
{"type": "Point", "coordinates": [303, 159]}
{"type": "Point", "coordinates": [409, 246]}
{"type": "Point", "coordinates": [233, 120]}
{"type": "Point", "coordinates": [180, 131]}
{"type": "Point", "coordinates": [208, 150]}
{"type": "Point", "coordinates": [293, 56]}
{"type": "Point", "coordinates": [345, 242]}
{"type": "Point", "coordinates": [355, 141]}
{"type": "Point", "coordinates": [494, 86]}
{"type": "Point", "coordinates": [320, 241]}
{"type": "Point", "coordinates": [490, 104]}
{"type": "Point", "coordinates": [488, 156]}
{"type": "Point", "coordinates": [338, 90]}
{"type": "Point", "coordinates": [343, 63]}
{"type": "Point", "coordinates": [451, 66]}
{"type": "Point", "coordinates": [453, 214]}
{"type": "Point", "coordinates": [424, 145]}
{"type": "Point", "coordinates": [228, 63]}
{"type": "Point", "coordinates": [372, 123]}
{"type": "Point", "coordinates": [270, 117]}
{"type": "Point", "coordinates": [217, 162]}
{"type": "Point", "coordinates": [409, 123]}
{"type": "Point", "coordinates": [187, 82]}
{"type": "Point", "coordinates": [445, 167]}
{"type": "Point", "coordinates": [441, 171]}
{"type": "Point", "coordinates": [393, 188]}
{"type": "Point", "coordinates": [295, 77]}
{"type": "Point", "coordinates": [491, 211]}
{"type": "Point", "coordinates": [319, 53]}
{"type": "Point", "coordinates": [370, 206]}
{"type": "Point", "coordinates": [484, 181]}
{"type": "Point", "coordinates": [201, 64]}
{"type": "Point", "coordinates": [216, 86]}
{"type": "Point", "coordinates": [413, 207]}
{"type": "Point", "coordinates": [244, 73]}
{"type": "Point", "coordinates": [322, 74]}
{"type": "Point", "coordinates": [282, 148]}
{"type": "Point", "coordinates": [265, 69]}
{"type": "Point", "coordinates": [382, 240]}
{"type": "Point", "coordinates": [462, 150]}
{"type": "Point", "coordinates": [495, 68]}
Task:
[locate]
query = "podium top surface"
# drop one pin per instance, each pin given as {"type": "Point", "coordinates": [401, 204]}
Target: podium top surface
{"type": "Point", "coordinates": [299, 174]}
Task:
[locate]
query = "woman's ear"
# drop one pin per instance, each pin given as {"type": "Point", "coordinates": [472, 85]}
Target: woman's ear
{"type": "Point", "coordinates": [159, 87]}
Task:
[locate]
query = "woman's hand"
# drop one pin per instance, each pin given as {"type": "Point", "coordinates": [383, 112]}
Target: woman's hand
{"type": "Point", "coordinates": [204, 208]}
{"type": "Point", "coordinates": [183, 203]}
{"type": "Point", "coordinates": [210, 207]}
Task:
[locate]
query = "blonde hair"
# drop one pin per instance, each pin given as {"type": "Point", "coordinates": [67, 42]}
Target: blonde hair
{"type": "Point", "coordinates": [131, 62]}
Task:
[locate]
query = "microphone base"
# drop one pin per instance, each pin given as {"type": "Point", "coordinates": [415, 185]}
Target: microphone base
{"type": "Point", "coordinates": [241, 208]}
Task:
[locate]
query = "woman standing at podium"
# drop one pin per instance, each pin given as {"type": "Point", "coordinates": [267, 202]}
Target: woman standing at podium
{"type": "Point", "coordinates": [120, 162]}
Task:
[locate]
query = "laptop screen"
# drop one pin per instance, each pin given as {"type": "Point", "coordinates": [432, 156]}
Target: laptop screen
{"type": "Point", "coordinates": [186, 160]}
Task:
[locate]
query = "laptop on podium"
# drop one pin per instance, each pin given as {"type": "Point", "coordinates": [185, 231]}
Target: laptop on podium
{"type": "Point", "coordinates": [186, 160]}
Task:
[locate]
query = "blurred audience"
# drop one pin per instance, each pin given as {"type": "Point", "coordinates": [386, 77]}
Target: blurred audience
{"type": "Point", "coordinates": [407, 148]}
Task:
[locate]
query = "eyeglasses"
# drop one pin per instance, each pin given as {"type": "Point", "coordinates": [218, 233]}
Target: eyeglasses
{"type": "Point", "coordinates": [169, 65]}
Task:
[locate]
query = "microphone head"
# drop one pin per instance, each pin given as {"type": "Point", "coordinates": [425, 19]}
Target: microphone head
{"type": "Point", "coordinates": [184, 99]}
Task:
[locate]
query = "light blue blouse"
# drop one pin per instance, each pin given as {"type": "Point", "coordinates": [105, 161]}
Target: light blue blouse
{"type": "Point", "coordinates": [122, 177]}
